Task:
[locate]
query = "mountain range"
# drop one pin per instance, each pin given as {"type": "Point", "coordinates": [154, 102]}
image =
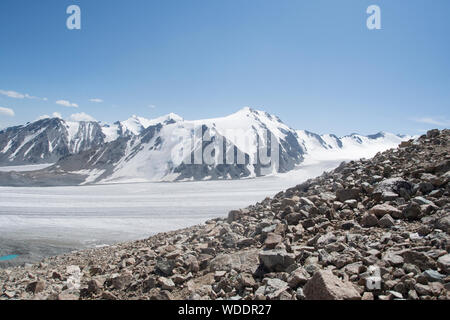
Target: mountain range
{"type": "Point", "coordinates": [166, 149]}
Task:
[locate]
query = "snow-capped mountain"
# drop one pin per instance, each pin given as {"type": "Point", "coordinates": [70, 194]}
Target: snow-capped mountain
{"type": "Point", "coordinates": [172, 149]}
{"type": "Point", "coordinates": [135, 125]}
{"type": "Point", "coordinates": [47, 140]}
{"type": "Point", "coordinates": [330, 147]}
{"type": "Point", "coordinates": [168, 151]}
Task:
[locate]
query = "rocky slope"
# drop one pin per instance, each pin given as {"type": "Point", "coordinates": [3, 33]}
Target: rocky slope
{"type": "Point", "coordinates": [372, 229]}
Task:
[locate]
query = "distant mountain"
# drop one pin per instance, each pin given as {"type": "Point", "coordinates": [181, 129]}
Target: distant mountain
{"type": "Point", "coordinates": [171, 149]}
{"type": "Point", "coordinates": [47, 140]}
{"type": "Point", "coordinates": [330, 147]}
{"type": "Point", "coordinates": [135, 125]}
{"type": "Point", "coordinates": [159, 152]}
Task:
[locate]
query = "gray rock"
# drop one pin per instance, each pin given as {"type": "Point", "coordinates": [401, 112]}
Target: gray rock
{"type": "Point", "coordinates": [369, 220]}
{"type": "Point", "coordinates": [393, 259]}
{"type": "Point", "coordinates": [234, 215]}
{"type": "Point", "coordinates": [243, 261]}
{"type": "Point", "coordinates": [166, 284]}
{"type": "Point", "coordinates": [272, 240]}
{"type": "Point", "coordinates": [326, 239]}
{"type": "Point", "coordinates": [412, 211]}
{"type": "Point", "coordinates": [277, 260]}
{"type": "Point", "coordinates": [122, 281]}
{"type": "Point", "coordinates": [422, 200]}
{"type": "Point", "coordinates": [165, 266]}
{"type": "Point", "coordinates": [444, 263]}
{"type": "Point", "coordinates": [386, 221]}
{"type": "Point", "coordinates": [300, 294]}
{"type": "Point", "coordinates": [94, 286]}
{"type": "Point", "coordinates": [273, 289]}
{"type": "Point", "coordinates": [396, 295]}
{"type": "Point", "coordinates": [419, 259]}
{"type": "Point", "coordinates": [326, 286]}
{"type": "Point", "coordinates": [393, 186]}
{"type": "Point", "coordinates": [298, 277]}
{"type": "Point", "coordinates": [36, 287]}
{"type": "Point", "coordinates": [433, 275]}
{"type": "Point", "coordinates": [347, 225]}
{"type": "Point", "coordinates": [343, 195]}
{"type": "Point", "coordinates": [382, 209]}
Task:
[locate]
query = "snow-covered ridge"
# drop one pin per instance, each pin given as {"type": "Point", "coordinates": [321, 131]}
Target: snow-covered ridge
{"type": "Point", "coordinates": [48, 139]}
{"type": "Point", "coordinates": [140, 149]}
{"type": "Point", "coordinates": [135, 125]}
{"type": "Point", "coordinates": [330, 147]}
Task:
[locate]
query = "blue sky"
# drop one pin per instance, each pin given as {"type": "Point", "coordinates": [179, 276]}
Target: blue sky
{"type": "Point", "coordinates": [313, 63]}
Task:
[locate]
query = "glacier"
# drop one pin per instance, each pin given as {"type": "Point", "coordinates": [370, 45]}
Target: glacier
{"type": "Point", "coordinates": [36, 222]}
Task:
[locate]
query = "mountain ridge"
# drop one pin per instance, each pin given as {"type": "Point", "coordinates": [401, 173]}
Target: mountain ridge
{"type": "Point", "coordinates": [165, 148]}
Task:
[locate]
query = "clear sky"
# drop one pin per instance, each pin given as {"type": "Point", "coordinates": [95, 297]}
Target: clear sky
{"type": "Point", "coordinates": [314, 63]}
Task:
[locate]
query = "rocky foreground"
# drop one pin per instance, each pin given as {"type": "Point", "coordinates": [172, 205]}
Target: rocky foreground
{"type": "Point", "coordinates": [371, 229]}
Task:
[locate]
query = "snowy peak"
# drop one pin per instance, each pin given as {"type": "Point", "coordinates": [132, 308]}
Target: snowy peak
{"type": "Point", "coordinates": [47, 140]}
{"type": "Point", "coordinates": [257, 115]}
{"type": "Point", "coordinates": [83, 135]}
{"type": "Point", "coordinates": [165, 147]}
{"type": "Point", "coordinates": [353, 146]}
{"type": "Point", "coordinates": [135, 125]}
{"type": "Point", "coordinates": [141, 149]}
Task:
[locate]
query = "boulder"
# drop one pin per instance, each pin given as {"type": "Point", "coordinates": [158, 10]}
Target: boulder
{"type": "Point", "coordinates": [293, 218]}
{"type": "Point", "coordinates": [272, 240]}
{"type": "Point", "coordinates": [289, 202]}
{"type": "Point", "coordinates": [393, 259]}
{"type": "Point", "coordinates": [324, 285]}
{"type": "Point", "coordinates": [343, 195]}
{"type": "Point", "coordinates": [444, 263]}
{"type": "Point", "coordinates": [277, 260]}
{"type": "Point", "coordinates": [369, 220]}
{"type": "Point", "coordinates": [243, 261]}
{"type": "Point", "coordinates": [122, 281]}
{"type": "Point", "coordinates": [94, 286]}
{"type": "Point", "coordinates": [433, 275]}
{"type": "Point", "coordinates": [412, 211]}
{"type": "Point", "coordinates": [273, 289]}
{"type": "Point", "coordinates": [36, 287]}
{"type": "Point", "coordinates": [386, 221]}
{"type": "Point", "coordinates": [298, 277]}
{"type": "Point", "coordinates": [246, 280]}
{"type": "Point", "coordinates": [234, 215]}
{"type": "Point", "coordinates": [166, 284]}
{"type": "Point", "coordinates": [382, 209]}
{"type": "Point", "coordinates": [165, 267]}
{"type": "Point", "coordinates": [419, 259]}
{"type": "Point", "coordinates": [394, 186]}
